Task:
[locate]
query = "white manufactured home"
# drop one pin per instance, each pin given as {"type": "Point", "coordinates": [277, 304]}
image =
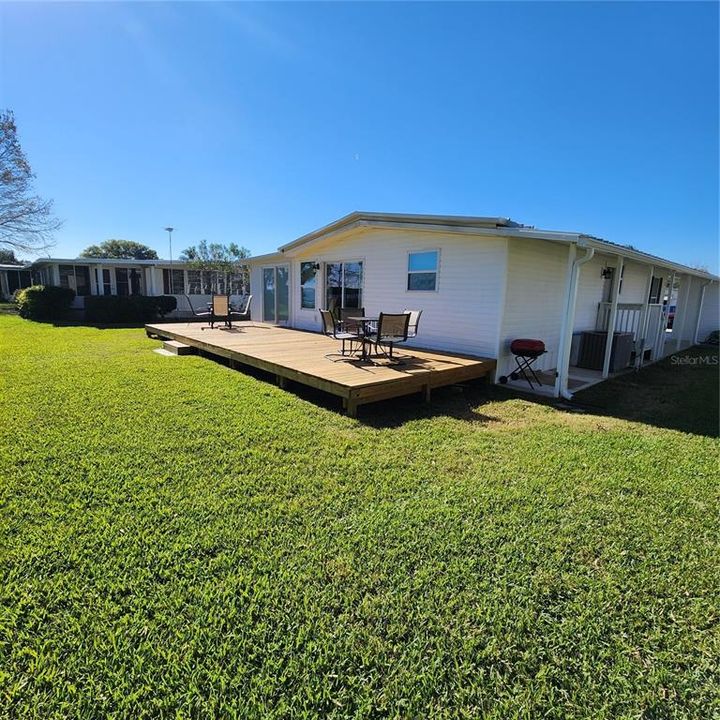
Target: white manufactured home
{"type": "Point", "coordinates": [482, 282]}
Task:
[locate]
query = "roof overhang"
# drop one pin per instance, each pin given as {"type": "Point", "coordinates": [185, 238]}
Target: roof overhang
{"type": "Point", "coordinates": [396, 220]}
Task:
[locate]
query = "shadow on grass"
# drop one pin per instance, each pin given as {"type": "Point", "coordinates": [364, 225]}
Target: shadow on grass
{"type": "Point", "coordinates": [456, 401]}
{"type": "Point", "coordinates": [679, 393]}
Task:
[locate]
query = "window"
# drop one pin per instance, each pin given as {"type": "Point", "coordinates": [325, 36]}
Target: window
{"type": "Point", "coordinates": [655, 290]}
{"type": "Point", "coordinates": [122, 281]}
{"type": "Point", "coordinates": [135, 282]}
{"type": "Point", "coordinates": [422, 271]}
{"type": "Point", "coordinates": [75, 277]}
{"type": "Point", "coordinates": [194, 282]}
{"type": "Point", "coordinates": [343, 285]}
{"type": "Point", "coordinates": [18, 279]}
{"type": "Point", "coordinates": [308, 284]}
{"type": "Point", "coordinates": [102, 281]}
{"type": "Point", "coordinates": [67, 276]}
{"type": "Point", "coordinates": [173, 282]}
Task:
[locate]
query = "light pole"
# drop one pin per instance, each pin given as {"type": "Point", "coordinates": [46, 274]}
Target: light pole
{"type": "Point", "coordinates": [169, 231]}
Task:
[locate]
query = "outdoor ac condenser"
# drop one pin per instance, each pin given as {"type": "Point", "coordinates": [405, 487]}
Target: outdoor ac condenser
{"type": "Point", "coordinates": [592, 350]}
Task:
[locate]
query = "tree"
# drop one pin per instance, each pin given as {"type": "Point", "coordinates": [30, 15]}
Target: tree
{"type": "Point", "coordinates": [222, 266]}
{"type": "Point", "coordinates": [26, 220]}
{"type": "Point", "coordinates": [125, 249]}
{"type": "Point", "coordinates": [7, 257]}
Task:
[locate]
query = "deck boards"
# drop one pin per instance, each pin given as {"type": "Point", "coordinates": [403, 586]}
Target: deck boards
{"type": "Point", "coordinates": [300, 356]}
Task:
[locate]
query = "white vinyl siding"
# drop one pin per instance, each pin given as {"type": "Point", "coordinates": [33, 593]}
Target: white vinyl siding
{"type": "Point", "coordinates": [710, 318]}
{"type": "Point", "coordinates": [535, 299]}
{"type": "Point", "coordinates": [461, 315]}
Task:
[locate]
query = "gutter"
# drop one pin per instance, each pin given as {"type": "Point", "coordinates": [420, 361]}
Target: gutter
{"type": "Point", "coordinates": [574, 265]}
{"type": "Point", "coordinates": [700, 309]}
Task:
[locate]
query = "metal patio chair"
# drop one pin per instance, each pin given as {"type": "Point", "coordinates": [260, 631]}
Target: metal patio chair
{"type": "Point", "coordinates": [242, 312]}
{"type": "Point", "coordinates": [392, 328]}
{"type": "Point", "coordinates": [333, 330]}
{"type": "Point", "coordinates": [198, 313]}
{"type": "Point", "coordinates": [414, 322]}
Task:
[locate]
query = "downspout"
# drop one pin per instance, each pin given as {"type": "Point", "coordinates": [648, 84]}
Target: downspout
{"type": "Point", "coordinates": [561, 382]}
{"type": "Point", "coordinates": [700, 309]}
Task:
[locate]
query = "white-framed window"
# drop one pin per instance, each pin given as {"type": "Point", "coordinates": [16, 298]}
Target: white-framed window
{"type": "Point", "coordinates": [343, 284]}
{"type": "Point", "coordinates": [423, 270]}
{"type": "Point", "coordinates": [308, 285]}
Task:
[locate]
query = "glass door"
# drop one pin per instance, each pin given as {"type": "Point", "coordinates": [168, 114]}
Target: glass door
{"type": "Point", "coordinates": [343, 285]}
{"type": "Point", "coordinates": [276, 294]}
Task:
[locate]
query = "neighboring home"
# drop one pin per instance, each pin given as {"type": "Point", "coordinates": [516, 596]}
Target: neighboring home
{"type": "Point", "coordinates": [12, 278]}
{"type": "Point", "coordinates": [106, 276]}
{"type": "Point", "coordinates": [482, 282]}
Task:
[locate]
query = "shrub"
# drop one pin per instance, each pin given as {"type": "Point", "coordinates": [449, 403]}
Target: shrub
{"type": "Point", "coordinates": [44, 302]}
{"type": "Point", "coordinates": [165, 304]}
{"type": "Point", "coordinates": [126, 309]}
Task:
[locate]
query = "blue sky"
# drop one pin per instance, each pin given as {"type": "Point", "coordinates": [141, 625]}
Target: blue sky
{"type": "Point", "coordinates": [258, 123]}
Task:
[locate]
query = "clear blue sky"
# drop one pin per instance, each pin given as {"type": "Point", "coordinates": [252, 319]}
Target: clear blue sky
{"type": "Point", "coordinates": [258, 123]}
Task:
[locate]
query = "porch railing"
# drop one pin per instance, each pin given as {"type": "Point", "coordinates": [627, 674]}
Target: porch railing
{"type": "Point", "coordinates": [631, 317]}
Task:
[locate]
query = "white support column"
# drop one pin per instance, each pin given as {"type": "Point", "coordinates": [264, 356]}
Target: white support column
{"type": "Point", "coordinates": [681, 306]}
{"type": "Point", "coordinates": [660, 345]}
{"type": "Point", "coordinates": [613, 317]}
{"type": "Point", "coordinates": [571, 290]}
{"type": "Point", "coordinates": [641, 339]}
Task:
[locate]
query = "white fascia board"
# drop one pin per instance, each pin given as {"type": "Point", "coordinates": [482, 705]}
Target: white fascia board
{"type": "Point", "coordinates": [646, 258]}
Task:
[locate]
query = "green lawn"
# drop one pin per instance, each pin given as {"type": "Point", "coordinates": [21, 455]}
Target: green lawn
{"type": "Point", "coordinates": [179, 540]}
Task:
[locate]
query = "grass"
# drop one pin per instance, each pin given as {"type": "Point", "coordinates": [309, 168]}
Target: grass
{"type": "Point", "coordinates": [179, 540]}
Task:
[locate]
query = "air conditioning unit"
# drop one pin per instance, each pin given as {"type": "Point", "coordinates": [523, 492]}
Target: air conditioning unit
{"type": "Point", "coordinates": [592, 350]}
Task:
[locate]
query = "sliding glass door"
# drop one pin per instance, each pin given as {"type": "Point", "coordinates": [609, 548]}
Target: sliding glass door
{"type": "Point", "coordinates": [343, 285]}
{"type": "Point", "coordinates": [276, 295]}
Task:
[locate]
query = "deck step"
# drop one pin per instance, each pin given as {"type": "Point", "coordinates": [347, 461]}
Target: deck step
{"type": "Point", "coordinates": [178, 348]}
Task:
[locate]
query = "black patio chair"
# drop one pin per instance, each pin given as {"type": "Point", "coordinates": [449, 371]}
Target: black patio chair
{"type": "Point", "coordinates": [332, 329]}
{"type": "Point", "coordinates": [345, 321]}
{"type": "Point", "coordinates": [392, 328]}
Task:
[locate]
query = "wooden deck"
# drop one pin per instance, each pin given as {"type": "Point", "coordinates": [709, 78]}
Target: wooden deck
{"type": "Point", "coordinates": [301, 357]}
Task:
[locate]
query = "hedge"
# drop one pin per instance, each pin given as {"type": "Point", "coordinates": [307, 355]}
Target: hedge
{"type": "Point", "coordinates": [44, 302]}
{"type": "Point", "coordinates": [115, 309]}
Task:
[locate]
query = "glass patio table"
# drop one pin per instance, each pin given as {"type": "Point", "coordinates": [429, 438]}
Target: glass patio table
{"type": "Point", "coordinates": [365, 326]}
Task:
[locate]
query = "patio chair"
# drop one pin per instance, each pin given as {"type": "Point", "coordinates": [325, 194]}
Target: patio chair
{"type": "Point", "coordinates": [348, 325]}
{"type": "Point", "coordinates": [332, 329]}
{"type": "Point", "coordinates": [243, 311]}
{"type": "Point", "coordinates": [414, 322]}
{"type": "Point", "coordinates": [392, 328]}
{"type": "Point", "coordinates": [197, 313]}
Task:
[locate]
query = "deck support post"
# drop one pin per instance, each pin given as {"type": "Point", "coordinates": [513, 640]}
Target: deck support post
{"type": "Point", "coordinates": [351, 408]}
{"type": "Point", "coordinates": [613, 317]}
{"type": "Point", "coordinates": [428, 393]}
{"type": "Point", "coordinates": [281, 381]}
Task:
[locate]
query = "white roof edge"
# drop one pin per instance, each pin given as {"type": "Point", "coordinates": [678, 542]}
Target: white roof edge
{"type": "Point", "coordinates": [641, 256]}
{"type": "Point", "coordinates": [108, 261]}
{"type": "Point", "coordinates": [377, 218]}
{"type": "Point", "coordinates": [266, 258]}
{"type": "Point", "coordinates": [489, 226]}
